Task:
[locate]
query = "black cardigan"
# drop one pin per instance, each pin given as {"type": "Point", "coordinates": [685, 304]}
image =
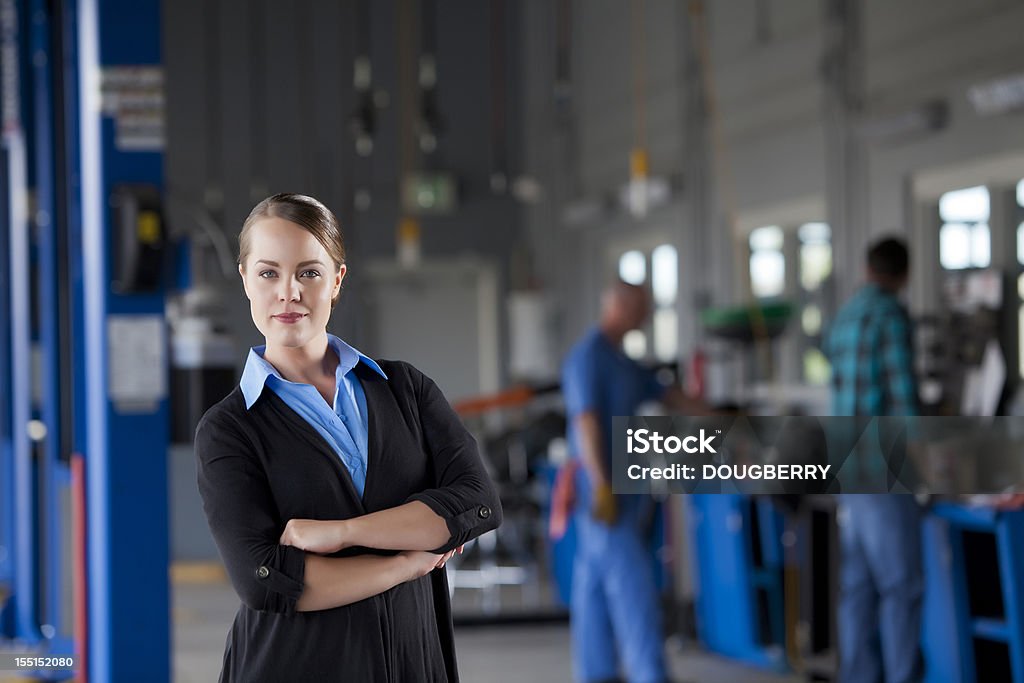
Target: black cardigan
{"type": "Point", "coordinates": [260, 467]}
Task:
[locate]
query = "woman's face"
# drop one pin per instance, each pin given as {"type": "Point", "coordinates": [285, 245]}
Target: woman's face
{"type": "Point", "coordinates": [290, 281]}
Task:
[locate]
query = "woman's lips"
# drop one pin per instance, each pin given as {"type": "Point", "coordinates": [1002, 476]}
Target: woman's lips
{"type": "Point", "coordinates": [289, 317]}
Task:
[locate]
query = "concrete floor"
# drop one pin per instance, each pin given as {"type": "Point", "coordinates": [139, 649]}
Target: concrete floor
{"type": "Point", "coordinates": [202, 614]}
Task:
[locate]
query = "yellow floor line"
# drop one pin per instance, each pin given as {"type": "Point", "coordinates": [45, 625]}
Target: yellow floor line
{"type": "Point", "coordinates": [197, 572]}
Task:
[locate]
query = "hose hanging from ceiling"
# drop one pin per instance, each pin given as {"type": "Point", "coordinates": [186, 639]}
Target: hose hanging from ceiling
{"type": "Point", "coordinates": [725, 182]}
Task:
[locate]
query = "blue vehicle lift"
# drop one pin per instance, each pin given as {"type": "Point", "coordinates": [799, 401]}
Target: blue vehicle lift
{"type": "Point", "coordinates": [21, 608]}
{"type": "Point", "coordinates": [64, 163]}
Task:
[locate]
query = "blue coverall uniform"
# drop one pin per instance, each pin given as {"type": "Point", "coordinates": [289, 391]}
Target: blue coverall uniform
{"type": "Point", "coordinates": [614, 604]}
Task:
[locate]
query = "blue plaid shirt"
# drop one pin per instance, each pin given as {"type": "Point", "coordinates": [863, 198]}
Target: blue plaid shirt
{"type": "Point", "coordinates": [870, 347]}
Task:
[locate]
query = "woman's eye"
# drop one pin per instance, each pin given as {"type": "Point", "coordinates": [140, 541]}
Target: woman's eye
{"type": "Point", "coordinates": [268, 274]}
{"type": "Point", "coordinates": [310, 273]}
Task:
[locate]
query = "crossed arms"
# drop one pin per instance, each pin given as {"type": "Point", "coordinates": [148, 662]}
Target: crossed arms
{"type": "Point", "coordinates": [279, 567]}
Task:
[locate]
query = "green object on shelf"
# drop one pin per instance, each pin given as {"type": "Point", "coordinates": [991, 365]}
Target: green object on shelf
{"type": "Point", "coordinates": [741, 323]}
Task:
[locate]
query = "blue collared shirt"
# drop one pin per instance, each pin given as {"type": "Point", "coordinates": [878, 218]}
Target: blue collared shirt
{"type": "Point", "coordinates": [343, 425]}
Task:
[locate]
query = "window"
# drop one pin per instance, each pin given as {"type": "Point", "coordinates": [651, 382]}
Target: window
{"type": "Point", "coordinates": [634, 344]}
{"type": "Point", "coordinates": [633, 269]}
{"type": "Point", "coordinates": [815, 254]}
{"type": "Point", "coordinates": [810, 320]}
{"type": "Point", "coordinates": [965, 238]}
{"type": "Point", "coordinates": [767, 262]}
{"type": "Point", "coordinates": [665, 285]}
{"type": "Point", "coordinates": [815, 267]}
{"type": "Point", "coordinates": [662, 263]}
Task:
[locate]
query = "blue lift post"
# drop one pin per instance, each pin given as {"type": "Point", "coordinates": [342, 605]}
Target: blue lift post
{"type": "Point", "coordinates": [11, 127]}
{"type": "Point", "coordinates": [127, 411]}
{"type": "Point", "coordinates": [56, 614]}
{"type": "Point", "coordinates": [20, 613]}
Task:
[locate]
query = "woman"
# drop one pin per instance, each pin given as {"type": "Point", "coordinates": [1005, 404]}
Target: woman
{"type": "Point", "coordinates": [334, 485]}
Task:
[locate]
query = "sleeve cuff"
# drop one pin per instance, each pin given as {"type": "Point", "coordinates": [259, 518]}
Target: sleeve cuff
{"type": "Point", "coordinates": [283, 579]}
{"type": "Point", "coordinates": [461, 524]}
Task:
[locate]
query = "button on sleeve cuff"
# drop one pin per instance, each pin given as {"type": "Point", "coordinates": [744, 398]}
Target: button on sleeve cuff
{"type": "Point", "coordinates": [282, 579]}
{"type": "Point", "coordinates": [464, 523]}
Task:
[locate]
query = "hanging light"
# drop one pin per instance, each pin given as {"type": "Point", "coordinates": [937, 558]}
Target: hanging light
{"type": "Point", "coordinates": [639, 168]}
{"type": "Point", "coordinates": [638, 182]}
{"type": "Point", "coordinates": [409, 242]}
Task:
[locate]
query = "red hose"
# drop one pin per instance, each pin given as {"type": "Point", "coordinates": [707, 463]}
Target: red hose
{"type": "Point", "coordinates": [78, 563]}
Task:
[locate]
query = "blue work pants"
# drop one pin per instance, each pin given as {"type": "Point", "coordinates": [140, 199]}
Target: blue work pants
{"type": "Point", "coordinates": [616, 618]}
{"type": "Point", "coordinates": [881, 588]}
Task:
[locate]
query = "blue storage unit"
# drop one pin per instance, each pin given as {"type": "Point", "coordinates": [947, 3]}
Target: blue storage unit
{"type": "Point", "coordinates": [739, 566]}
{"type": "Point", "coordinates": [973, 612]}
{"type": "Point", "coordinates": [974, 607]}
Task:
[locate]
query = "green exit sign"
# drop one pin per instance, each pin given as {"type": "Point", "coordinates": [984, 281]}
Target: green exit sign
{"type": "Point", "coordinates": [429, 193]}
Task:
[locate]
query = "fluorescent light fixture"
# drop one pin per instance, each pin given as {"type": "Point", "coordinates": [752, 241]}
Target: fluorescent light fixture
{"type": "Point", "coordinates": [640, 196]}
{"type": "Point", "coordinates": [583, 212]}
{"type": "Point", "coordinates": [999, 96]}
{"type": "Point", "coordinates": [925, 118]}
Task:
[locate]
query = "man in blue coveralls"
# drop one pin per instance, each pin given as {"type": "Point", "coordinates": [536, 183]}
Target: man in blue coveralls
{"type": "Point", "coordinates": [614, 604]}
{"type": "Point", "coordinates": [881, 575]}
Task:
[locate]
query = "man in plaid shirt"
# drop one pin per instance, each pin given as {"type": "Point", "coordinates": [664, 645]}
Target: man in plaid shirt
{"type": "Point", "coordinates": [881, 577]}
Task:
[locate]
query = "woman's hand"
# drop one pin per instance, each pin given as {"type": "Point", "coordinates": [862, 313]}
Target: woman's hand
{"type": "Point", "coordinates": [420, 563]}
{"type": "Point", "coordinates": [448, 555]}
{"type": "Point", "coordinates": [314, 535]}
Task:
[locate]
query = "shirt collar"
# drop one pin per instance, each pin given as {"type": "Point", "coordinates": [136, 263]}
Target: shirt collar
{"type": "Point", "coordinates": [258, 370]}
{"type": "Point", "coordinates": [875, 290]}
{"type": "Point", "coordinates": [349, 357]}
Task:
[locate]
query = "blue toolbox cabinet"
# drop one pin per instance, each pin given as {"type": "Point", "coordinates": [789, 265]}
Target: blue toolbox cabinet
{"type": "Point", "coordinates": [974, 610]}
{"type": "Point", "coordinates": [739, 566]}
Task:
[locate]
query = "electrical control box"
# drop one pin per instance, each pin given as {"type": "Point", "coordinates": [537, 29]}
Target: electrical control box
{"type": "Point", "coordinates": [139, 238]}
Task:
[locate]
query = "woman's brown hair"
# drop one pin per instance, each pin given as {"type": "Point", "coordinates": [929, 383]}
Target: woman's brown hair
{"type": "Point", "coordinates": [306, 212]}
